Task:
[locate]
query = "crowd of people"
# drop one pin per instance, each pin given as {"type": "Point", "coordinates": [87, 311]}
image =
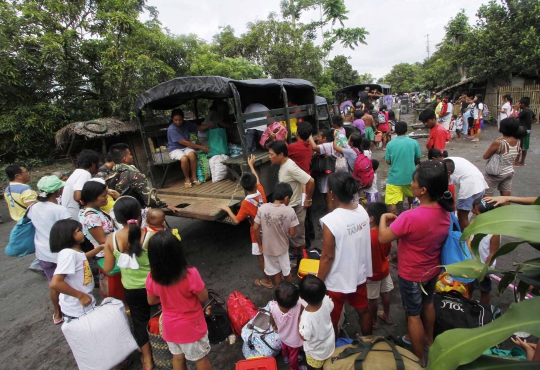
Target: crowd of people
{"type": "Point", "coordinates": [111, 212]}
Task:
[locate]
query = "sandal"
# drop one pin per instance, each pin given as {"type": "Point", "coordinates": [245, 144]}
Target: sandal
{"type": "Point", "coordinates": [260, 282]}
{"type": "Point", "coordinates": [196, 182]}
{"type": "Point", "coordinates": [380, 315]}
{"type": "Point", "coordinates": [408, 342]}
{"type": "Point", "coordinates": [187, 185]}
{"type": "Point", "coordinates": [57, 322]}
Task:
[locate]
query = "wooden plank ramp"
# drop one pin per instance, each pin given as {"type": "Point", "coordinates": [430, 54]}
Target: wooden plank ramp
{"type": "Point", "coordinates": [198, 207]}
{"type": "Point", "coordinates": [218, 190]}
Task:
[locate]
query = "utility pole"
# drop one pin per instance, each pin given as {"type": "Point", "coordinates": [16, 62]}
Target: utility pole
{"type": "Point", "coordinates": [427, 45]}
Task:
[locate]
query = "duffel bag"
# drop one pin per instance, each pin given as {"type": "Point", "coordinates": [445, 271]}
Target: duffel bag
{"type": "Point", "coordinates": [217, 320]}
{"type": "Point", "coordinates": [259, 336]}
{"type": "Point", "coordinates": [372, 352]}
{"type": "Point", "coordinates": [453, 311]}
{"type": "Point", "coordinates": [241, 310]}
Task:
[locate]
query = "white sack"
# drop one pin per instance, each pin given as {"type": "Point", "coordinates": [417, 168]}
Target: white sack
{"type": "Point", "coordinates": [218, 169]}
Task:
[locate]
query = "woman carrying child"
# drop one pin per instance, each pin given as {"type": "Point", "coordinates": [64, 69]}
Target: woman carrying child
{"type": "Point", "coordinates": [180, 290]}
{"type": "Point", "coordinates": [44, 214]}
{"type": "Point", "coordinates": [421, 232]}
{"type": "Point", "coordinates": [129, 248]}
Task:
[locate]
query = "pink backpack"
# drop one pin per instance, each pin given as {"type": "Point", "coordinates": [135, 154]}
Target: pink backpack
{"type": "Point", "coordinates": [276, 128]}
{"type": "Point", "coordinates": [363, 170]}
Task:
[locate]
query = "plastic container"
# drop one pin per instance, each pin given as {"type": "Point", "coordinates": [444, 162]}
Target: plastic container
{"type": "Point", "coordinates": [308, 266]}
{"type": "Point", "coordinates": [110, 283]}
{"type": "Point", "coordinates": [257, 363]}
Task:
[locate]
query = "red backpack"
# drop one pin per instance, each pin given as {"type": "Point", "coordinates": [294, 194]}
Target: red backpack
{"type": "Point", "coordinates": [444, 109]}
{"type": "Point", "coordinates": [363, 170]}
{"type": "Point", "coordinates": [241, 310]}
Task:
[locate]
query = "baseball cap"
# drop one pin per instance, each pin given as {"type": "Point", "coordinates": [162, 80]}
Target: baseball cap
{"type": "Point", "coordinates": [50, 184]}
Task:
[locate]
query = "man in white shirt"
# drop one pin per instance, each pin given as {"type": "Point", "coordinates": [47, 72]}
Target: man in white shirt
{"type": "Point", "coordinates": [254, 134]}
{"type": "Point", "coordinates": [87, 165]}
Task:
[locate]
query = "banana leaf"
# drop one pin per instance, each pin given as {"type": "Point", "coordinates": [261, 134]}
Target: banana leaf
{"type": "Point", "coordinates": [518, 221]}
{"type": "Point", "coordinates": [499, 363]}
{"type": "Point", "coordinates": [470, 269]}
{"type": "Point", "coordinates": [505, 249]}
{"type": "Point", "coordinates": [462, 346]}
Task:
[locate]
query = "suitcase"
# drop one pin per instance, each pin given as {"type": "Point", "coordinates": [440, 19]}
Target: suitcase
{"type": "Point", "coordinates": [257, 363]}
{"type": "Point", "coordinates": [110, 283]}
{"type": "Point", "coordinates": [308, 266]}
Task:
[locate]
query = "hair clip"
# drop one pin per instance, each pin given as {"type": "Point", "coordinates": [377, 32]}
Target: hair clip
{"type": "Point", "coordinates": [484, 203]}
{"type": "Point", "coordinates": [132, 221]}
{"type": "Point", "coordinates": [447, 195]}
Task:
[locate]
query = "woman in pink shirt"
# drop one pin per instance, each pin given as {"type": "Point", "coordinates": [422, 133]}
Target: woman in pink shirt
{"type": "Point", "coordinates": [180, 290]}
{"type": "Point", "coordinates": [421, 233]}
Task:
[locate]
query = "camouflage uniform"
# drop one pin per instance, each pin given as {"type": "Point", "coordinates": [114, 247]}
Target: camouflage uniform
{"type": "Point", "coordinates": [124, 176]}
{"type": "Point", "coordinates": [103, 172]}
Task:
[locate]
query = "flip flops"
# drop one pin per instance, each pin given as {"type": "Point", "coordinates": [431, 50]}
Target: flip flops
{"type": "Point", "coordinates": [57, 322]}
{"type": "Point", "coordinates": [259, 282]}
{"type": "Point", "coordinates": [408, 342]}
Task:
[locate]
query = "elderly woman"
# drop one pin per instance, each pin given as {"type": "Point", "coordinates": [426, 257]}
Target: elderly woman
{"type": "Point", "coordinates": [181, 148]}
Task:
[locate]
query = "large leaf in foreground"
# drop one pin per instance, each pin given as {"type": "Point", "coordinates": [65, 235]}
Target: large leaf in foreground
{"type": "Point", "coordinates": [499, 363]}
{"type": "Point", "coordinates": [470, 269]}
{"type": "Point", "coordinates": [521, 222]}
{"type": "Point", "coordinates": [461, 346]}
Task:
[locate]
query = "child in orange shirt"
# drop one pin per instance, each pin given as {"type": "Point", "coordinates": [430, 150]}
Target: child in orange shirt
{"type": "Point", "coordinates": [249, 207]}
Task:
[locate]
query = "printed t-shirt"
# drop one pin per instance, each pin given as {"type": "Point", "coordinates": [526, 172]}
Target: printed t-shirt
{"type": "Point", "coordinates": [352, 262]}
{"type": "Point", "coordinates": [44, 215]}
{"type": "Point", "coordinates": [379, 253]}
{"type": "Point", "coordinates": [183, 317]}
{"type": "Point", "coordinates": [293, 175]}
{"type": "Point", "coordinates": [75, 266]}
{"type": "Point", "coordinates": [422, 232]}
{"type": "Point", "coordinates": [247, 208]}
{"type": "Point", "coordinates": [360, 124]}
{"type": "Point", "coordinates": [74, 183]}
{"type": "Point", "coordinates": [468, 177]}
{"type": "Point", "coordinates": [301, 152]}
{"type": "Point", "coordinates": [176, 134]}
{"type": "Point", "coordinates": [402, 152]}
{"type": "Point", "coordinates": [18, 193]}
{"type": "Point", "coordinates": [91, 218]}
{"type": "Point", "coordinates": [287, 324]}
{"type": "Point", "coordinates": [318, 332]}
{"type": "Point", "coordinates": [438, 136]}
{"type": "Point", "coordinates": [276, 220]}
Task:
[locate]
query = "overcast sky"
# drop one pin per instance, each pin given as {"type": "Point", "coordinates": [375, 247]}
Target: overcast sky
{"type": "Point", "coordinates": [397, 28]}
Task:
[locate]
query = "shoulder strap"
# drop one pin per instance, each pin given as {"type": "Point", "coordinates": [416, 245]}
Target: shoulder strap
{"type": "Point", "coordinates": [146, 239]}
{"type": "Point", "coordinates": [115, 245]}
{"type": "Point", "coordinates": [19, 204]}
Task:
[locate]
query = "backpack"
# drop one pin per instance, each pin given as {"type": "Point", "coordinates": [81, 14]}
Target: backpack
{"type": "Point", "coordinates": [381, 117]}
{"type": "Point", "coordinates": [453, 311]}
{"type": "Point", "coordinates": [454, 250]}
{"type": "Point", "coordinates": [217, 320]}
{"type": "Point", "coordinates": [363, 170]}
{"type": "Point", "coordinates": [241, 310]}
{"type": "Point", "coordinates": [444, 110]}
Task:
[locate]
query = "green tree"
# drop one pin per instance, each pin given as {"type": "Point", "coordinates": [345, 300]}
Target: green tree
{"type": "Point", "coordinates": [341, 72]}
{"type": "Point", "coordinates": [404, 77]}
{"type": "Point", "coordinates": [366, 78]}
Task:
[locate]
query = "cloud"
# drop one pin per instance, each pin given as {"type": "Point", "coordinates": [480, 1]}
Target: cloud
{"type": "Point", "coordinates": [397, 28]}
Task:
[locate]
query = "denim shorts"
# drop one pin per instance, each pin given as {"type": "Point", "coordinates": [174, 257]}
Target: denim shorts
{"type": "Point", "coordinates": [466, 204]}
{"type": "Point", "coordinates": [484, 285]}
{"type": "Point", "coordinates": [412, 296]}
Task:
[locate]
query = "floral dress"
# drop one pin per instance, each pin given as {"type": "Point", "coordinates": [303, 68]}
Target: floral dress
{"type": "Point", "coordinates": [91, 218]}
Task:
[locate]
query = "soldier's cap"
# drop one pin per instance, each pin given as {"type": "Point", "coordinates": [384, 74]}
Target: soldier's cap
{"type": "Point", "coordinates": [50, 184]}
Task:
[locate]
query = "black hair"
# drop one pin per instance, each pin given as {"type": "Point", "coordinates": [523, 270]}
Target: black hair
{"type": "Point", "coordinates": [358, 113]}
{"type": "Point", "coordinates": [371, 107]}
{"type": "Point", "coordinates": [508, 97]}
{"type": "Point", "coordinates": [433, 176]}
{"type": "Point", "coordinates": [87, 158]}
{"type": "Point", "coordinates": [450, 165]}
{"type": "Point", "coordinates": [374, 164]}
{"type": "Point", "coordinates": [282, 190]}
{"type": "Point", "coordinates": [337, 120]}
{"type": "Point", "coordinates": [376, 210]}
{"type": "Point", "coordinates": [526, 101]}
{"type": "Point", "coordinates": [108, 158]}
{"type": "Point", "coordinates": [91, 190]}
{"type": "Point", "coordinates": [14, 169]}
{"type": "Point", "coordinates": [391, 115]}
{"type": "Point", "coordinates": [426, 115]}
{"type": "Point", "coordinates": [366, 111]}
{"type": "Point", "coordinates": [303, 130]}
{"type": "Point", "coordinates": [61, 236]}
{"type": "Point", "coordinates": [118, 151]}
{"type": "Point", "coordinates": [454, 116]}
{"type": "Point", "coordinates": [279, 147]}
{"type": "Point", "coordinates": [177, 112]}
{"type": "Point", "coordinates": [434, 153]}
{"type": "Point", "coordinates": [512, 126]}
{"type": "Point", "coordinates": [343, 185]}
{"type": "Point", "coordinates": [479, 99]}
{"type": "Point", "coordinates": [168, 262]}
{"type": "Point", "coordinates": [356, 141]}
{"type": "Point", "coordinates": [470, 121]}
{"type": "Point", "coordinates": [125, 209]}
{"type": "Point", "coordinates": [401, 127]}
{"type": "Point", "coordinates": [286, 294]}
{"type": "Point", "coordinates": [312, 289]}
{"type": "Point", "coordinates": [384, 107]}
{"type": "Point", "coordinates": [327, 134]}
{"type": "Point", "coordinates": [248, 181]}
{"type": "Point", "coordinates": [366, 143]}
{"type": "Point", "coordinates": [482, 205]}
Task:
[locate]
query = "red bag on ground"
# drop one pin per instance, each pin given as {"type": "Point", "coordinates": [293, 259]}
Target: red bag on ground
{"type": "Point", "coordinates": [241, 310]}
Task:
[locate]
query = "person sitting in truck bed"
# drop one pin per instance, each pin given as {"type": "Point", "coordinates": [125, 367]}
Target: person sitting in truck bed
{"type": "Point", "coordinates": [219, 116]}
{"type": "Point", "coordinates": [183, 150]}
{"type": "Point", "coordinates": [254, 134]}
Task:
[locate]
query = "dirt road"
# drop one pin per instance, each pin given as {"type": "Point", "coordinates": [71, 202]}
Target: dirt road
{"type": "Point", "coordinates": [222, 253]}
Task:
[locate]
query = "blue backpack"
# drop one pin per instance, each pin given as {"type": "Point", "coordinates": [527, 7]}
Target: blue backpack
{"type": "Point", "coordinates": [454, 250]}
{"type": "Point", "coordinates": [21, 238]}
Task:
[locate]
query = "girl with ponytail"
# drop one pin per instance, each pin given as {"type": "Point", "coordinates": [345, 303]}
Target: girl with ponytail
{"type": "Point", "coordinates": [421, 232]}
{"type": "Point", "coordinates": [346, 250]}
{"type": "Point", "coordinates": [128, 249]}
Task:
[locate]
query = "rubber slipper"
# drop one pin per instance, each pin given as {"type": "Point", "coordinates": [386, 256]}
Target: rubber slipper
{"type": "Point", "coordinates": [259, 282]}
{"type": "Point", "coordinates": [196, 183]}
{"type": "Point", "coordinates": [187, 185]}
{"type": "Point", "coordinates": [406, 341]}
{"type": "Point", "coordinates": [57, 322]}
{"type": "Point", "coordinates": [380, 315]}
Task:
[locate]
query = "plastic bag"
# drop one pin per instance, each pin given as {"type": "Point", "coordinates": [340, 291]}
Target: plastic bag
{"type": "Point", "coordinates": [217, 142]}
{"type": "Point", "coordinates": [218, 169]}
{"type": "Point", "coordinates": [203, 168]}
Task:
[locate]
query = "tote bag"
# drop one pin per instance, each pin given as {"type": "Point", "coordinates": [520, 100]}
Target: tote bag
{"type": "Point", "coordinates": [21, 238]}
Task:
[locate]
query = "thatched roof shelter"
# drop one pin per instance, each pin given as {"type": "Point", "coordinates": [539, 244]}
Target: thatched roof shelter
{"type": "Point", "coordinates": [94, 129]}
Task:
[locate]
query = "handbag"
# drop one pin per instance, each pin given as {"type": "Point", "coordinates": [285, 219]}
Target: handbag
{"type": "Point", "coordinates": [494, 164]}
{"type": "Point", "coordinates": [323, 165]}
{"type": "Point", "coordinates": [216, 317]}
{"type": "Point", "coordinates": [454, 250]}
{"type": "Point", "coordinates": [217, 142]}
{"type": "Point", "coordinates": [259, 336]}
{"type": "Point", "coordinates": [160, 349]}
{"type": "Point", "coordinates": [21, 238]}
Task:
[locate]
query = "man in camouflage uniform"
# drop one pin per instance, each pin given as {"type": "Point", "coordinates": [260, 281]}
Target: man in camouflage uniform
{"type": "Point", "coordinates": [127, 180]}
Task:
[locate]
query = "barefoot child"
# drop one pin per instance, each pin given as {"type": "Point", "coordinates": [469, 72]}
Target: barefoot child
{"type": "Point", "coordinates": [316, 327]}
{"type": "Point", "coordinates": [72, 278]}
{"type": "Point", "coordinates": [248, 210]}
{"type": "Point", "coordinates": [277, 221]}
{"type": "Point", "coordinates": [380, 284]}
{"type": "Point", "coordinates": [286, 310]}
